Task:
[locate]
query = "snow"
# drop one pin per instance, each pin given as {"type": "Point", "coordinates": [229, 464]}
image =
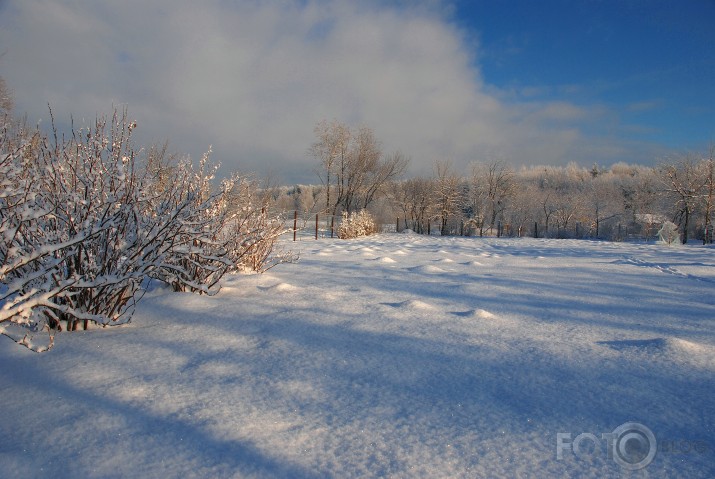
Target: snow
{"type": "Point", "coordinates": [459, 357]}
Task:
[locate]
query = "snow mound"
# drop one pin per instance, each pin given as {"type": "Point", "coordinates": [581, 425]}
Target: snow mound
{"type": "Point", "coordinates": [280, 287]}
{"type": "Point", "coordinates": [446, 260]}
{"type": "Point", "coordinates": [472, 263]}
{"type": "Point", "coordinates": [385, 259]}
{"type": "Point", "coordinates": [693, 347]}
{"type": "Point", "coordinates": [678, 349]}
{"type": "Point", "coordinates": [426, 269]}
{"type": "Point", "coordinates": [475, 313]}
{"type": "Point", "coordinates": [411, 304]}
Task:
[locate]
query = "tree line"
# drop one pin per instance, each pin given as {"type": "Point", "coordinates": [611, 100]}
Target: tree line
{"type": "Point", "coordinates": [493, 198]}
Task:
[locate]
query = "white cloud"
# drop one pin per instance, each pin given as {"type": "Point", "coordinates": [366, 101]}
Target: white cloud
{"type": "Point", "coordinates": [253, 78]}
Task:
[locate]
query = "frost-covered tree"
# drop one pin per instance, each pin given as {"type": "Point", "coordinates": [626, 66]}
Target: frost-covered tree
{"type": "Point", "coordinates": [477, 197]}
{"type": "Point", "coordinates": [415, 200]}
{"type": "Point", "coordinates": [352, 166]}
{"type": "Point", "coordinates": [707, 202]}
{"type": "Point", "coordinates": [684, 183]}
{"type": "Point", "coordinates": [448, 194]}
{"type": "Point", "coordinates": [331, 149]}
{"type": "Point", "coordinates": [500, 189]}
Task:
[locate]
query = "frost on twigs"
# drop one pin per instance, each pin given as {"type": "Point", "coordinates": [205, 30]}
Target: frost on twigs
{"type": "Point", "coordinates": [73, 248]}
{"type": "Point", "coordinates": [84, 221]}
{"type": "Point", "coordinates": [357, 224]}
{"type": "Point", "coordinates": [669, 233]}
{"type": "Point", "coordinates": [252, 233]}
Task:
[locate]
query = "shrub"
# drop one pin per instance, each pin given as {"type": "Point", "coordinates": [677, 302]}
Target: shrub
{"type": "Point", "coordinates": [73, 249]}
{"type": "Point", "coordinates": [252, 233]}
{"type": "Point", "coordinates": [669, 233]}
{"type": "Point", "coordinates": [357, 224]}
{"type": "Point", "coordinates": [83, 222]}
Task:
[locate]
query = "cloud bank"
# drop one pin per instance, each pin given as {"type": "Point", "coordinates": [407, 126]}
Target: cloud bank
{"type": "Point", "coordinates": [253, 78]}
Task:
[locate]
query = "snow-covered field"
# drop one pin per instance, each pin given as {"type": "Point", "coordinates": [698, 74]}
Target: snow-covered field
{"type": "Point", "coordinates": [394, 356]}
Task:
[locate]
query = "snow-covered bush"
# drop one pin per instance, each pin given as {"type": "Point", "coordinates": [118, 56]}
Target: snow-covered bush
{"type": "Point", "coordinates": [83, 222]}
{"type": "Point", "coordinates": [196, 257]}
{"type": "Point", "coordinates": [252, 233]}
{"type": "Point", "coordinates": [71, 240]}
{"type": "Point", "coordinates": [357, 224]}
{"type": "Point", "coordinates": [669, 233]}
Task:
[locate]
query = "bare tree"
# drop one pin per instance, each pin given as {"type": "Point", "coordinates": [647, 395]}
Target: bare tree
{"type": "Point", "coordinates": [600, 202]}
{"type": "Point", "coordinates": [352, 166]}
{"type": "Point", "coordinates": [477, 196]}
{"type": "Point", "coordinates": [331, 150]}
{"type": "Point", "coordinates": [385, 172]}
{"type": "Point", "coordinates": [414, 197]}
{"type": "Point", "coordinates": [684, 183]}
{"type": "Point", "coordinates": [363, 160]}
{"type": "Point", "coordinates": [500, 188]}
{"type": "Point", "coordinates": [447, 193]}
{"type": "Point", "coordinates": [524, 207]}
{"type": "Point", "coordinates": [547, 202]}
{"type": "Point", "coordinates": [707, 167]}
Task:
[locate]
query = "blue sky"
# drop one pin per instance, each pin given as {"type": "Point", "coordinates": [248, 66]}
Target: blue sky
{"type": "Point", "coordinates": [651, 61]}
{"type": "Point", "coordinates": [528, 82]}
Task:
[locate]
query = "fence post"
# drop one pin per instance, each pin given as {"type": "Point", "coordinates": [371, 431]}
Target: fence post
{"type": "Point", "coordinates": [332, 226]}
{"type": "Point", "coordinates": [316, 226]}
{"type": "Point", "coordinates": [295, 224]}
{"type": "Point", "coordinates": [536, 229]}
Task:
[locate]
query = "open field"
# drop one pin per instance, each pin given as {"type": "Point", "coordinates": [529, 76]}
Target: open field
{"type": "Point", "coordinates": [393, 356]}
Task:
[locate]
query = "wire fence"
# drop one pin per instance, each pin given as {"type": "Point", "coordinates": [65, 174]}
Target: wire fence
{"type": "Point", "coordinates": [303, 226]}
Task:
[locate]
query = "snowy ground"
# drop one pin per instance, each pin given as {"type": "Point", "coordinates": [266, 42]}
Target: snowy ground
{"type": "Point", "coordinates": [394, 356]}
